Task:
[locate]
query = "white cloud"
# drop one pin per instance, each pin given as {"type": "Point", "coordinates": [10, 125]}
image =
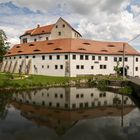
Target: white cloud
{"type": "Point", "coordinates": [94, 19]}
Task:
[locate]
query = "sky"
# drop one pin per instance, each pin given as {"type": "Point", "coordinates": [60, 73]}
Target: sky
{"type": "Point", "coordinates": [104, 20]}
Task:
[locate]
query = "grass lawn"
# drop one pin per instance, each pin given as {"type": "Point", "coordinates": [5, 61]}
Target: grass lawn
{"type": "Point", "coordinates": [15, 81]}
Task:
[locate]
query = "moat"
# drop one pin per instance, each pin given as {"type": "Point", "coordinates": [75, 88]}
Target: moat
{"type": "Point", "coordinates": [69, 114]}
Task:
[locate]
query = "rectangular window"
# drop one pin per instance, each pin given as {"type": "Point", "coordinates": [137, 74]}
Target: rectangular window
{"type": "Point", "coordinates": [93, 57]}
{"type": "Point", "coordinates": [82, 66]}
{"type": "Point", "coordinates": [35, 40]}
{"type": "Point", "coordinates": [61, 66]}
{"type": "Point", "coordinates": [34, 56]}
{"type": "Point", "coordinates": [42, 66]}
{"type": "Point", "coordinates": [74, 57]}
{"type": "Point", "coordinates": [136, 68]}
{"type": "Point", "coordinates": [56, 67]}
{"type": "Point", "coordinates": [106, 58]}
{"type": "Point", "coordinates": [27, 57]}
{"type": "Point", "coordinates": [103, 66]}
{"type": "Point", "coordinates": [14, 57]}
{"type": "Point", "coordinates": [86, 57]}
{"type": "Point", "coordinates": [115, 59]}
{"type": "Point", "coordinates": [92, 67]}
{"type": "Point", "coordinates": [99, 58]}
{"type": "Point", "coordinates": [66, 57]}
{"type": "Point", "coordinates": [58, 57]}
{"type": "Point", "coordinates": [77, 67]}
{"type": "Point", "coordinates": [120, 58]}
{"type": "Point", "coordinates": [81, 57]}
{"type": "Point", "coordinates": [137, 59]}
{"type": "Point", "coordinates": [126, 59]}
{"type": "Point", "coordinates": [43, 57]}
{"type": "Point", "coordinates": [47, 66]}
{"type": "Point", "coordinates": [20, 57]}
{"type": "Point", "coordinates": [50, 57]}
{"type": "Point", "coordinates": [47, 38]}
{"type": "Point", "coordinates": [24, 40]}
{"type": "Point", "coordinates": [59, 33]}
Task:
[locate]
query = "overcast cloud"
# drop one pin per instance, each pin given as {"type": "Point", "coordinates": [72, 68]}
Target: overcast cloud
{"type": "Point", "coordinates": [113, 20]}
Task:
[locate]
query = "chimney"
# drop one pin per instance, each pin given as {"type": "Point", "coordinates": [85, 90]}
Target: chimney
{"type": "Point", "coordinates": [38, 25]}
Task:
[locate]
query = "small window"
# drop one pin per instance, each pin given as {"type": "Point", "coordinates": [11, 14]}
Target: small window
{"type": "Point", "coordinates": [59, 33]}
{"type": "Point", "coordinates": [63, 26]}
{"type": "Point", "coordinates": [17, 46]}
{"type": "Point", "coordinates": [20, 57]}
{"type": "Point", "coordinates": [33, 56]}
{"type": "Point", "coordinates": [56, 26]}
{"type": "Point", "coordinates": [106, 58]}
{"type": "Point", "coordinates": [31, 44]}
{"type": "Point", "coordinates": [86, 43]}
{"type": "Point", "coordinates": [50, 57]}
{"type": "Point", "coordinates": [82, 95]}
{"type": "Point", "coordinates": [47, 66]}
{"type": "Point", "coordinates": [92, 67]}
{"type": "Point", "coordinates": [24, 40]}
{"type": "Point", "coordinates": [120, 58]}
{"type": "Point", "coordinates": [81, 57]}
{"type": "Point", "coordinates": [74, 57]}
{"type": "Point", "coordinates": [86, 57]}
{"type": "Point", "coordinates": [115, 59]}
{"type": "Point", "coordinates": [77, 95]}
{"type": "Point", "coordinates": [136, 68]}
{"type": "Point", "coordinates": [56, 67]}
{"type": "Point", "coordinates": [111, 45]}
{"type": "Point", "coordinates": [47, 38]}
{"type": "Point", "coordinates": [77, 67]}
{"type": "Point", "coordinates": [126, 59]}
{"type": "Point", "coordinates": [27, 56]}
{"type": "Point", "coordinates": [61, 95]}
{"type": "Point", "coordinates": [99, 57]}
{"type": "Point", "coordinates": [43, 57]}
{"type": "Point", "coordinates": [50, 43]}
{"type": "Point", "coordinates": [137, 59]}
{"type": "Point", "coordinates": [66, 57]}
{"type": "Point", "coordinates": [61, 66]}
{"type": "Point", "coordinates": [81, 49]}
{"type": "Point", "coordinates": [14, 57]}
{"type": "Point", "coordinates": [36, 50]}
{"type": "Point", "coordinates": [82, 66]}
{"type": "Point", "coordinates": [55, 95]}
{"type": "Point", "coordinates": [58, 57]}
{"type": "Point", "coordinates": [35, 40]}
{"type": "Point", "coordinates": [42, 66]}
{"type": "Point", "coordinates": [57, 49]}
{"type": "Point", "coordinates": [93, 57]}
{"type": "Point", "coordinates": [19, 51]}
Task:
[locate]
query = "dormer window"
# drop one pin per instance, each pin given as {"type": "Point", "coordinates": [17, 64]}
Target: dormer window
{"type": "Point", "coordinates": [19, 51]}
{"type": "Point", "coordinates": [17, 46]}
{"type": "Point", "coordinates": [31, 44]}
{"type": "Point", "coordinates": [59, 33]}
{"type": "Point", "coordinates": [57, 49]}
{"type": "Point", "coordinates": [63, 25]}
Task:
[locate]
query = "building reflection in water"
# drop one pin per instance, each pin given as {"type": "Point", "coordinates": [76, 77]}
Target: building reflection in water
{"type": "Point", "coordinates": [61, 108]}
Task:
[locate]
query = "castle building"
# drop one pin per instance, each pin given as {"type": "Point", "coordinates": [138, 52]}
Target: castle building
{"type": "Point", "coordinates": [59, 50]}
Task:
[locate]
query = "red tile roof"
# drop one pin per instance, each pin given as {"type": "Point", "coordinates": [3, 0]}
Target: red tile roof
{"type": "Point", "coordinates": [72, 45]}
{"type": "Point", "coordinates": [39, 30]}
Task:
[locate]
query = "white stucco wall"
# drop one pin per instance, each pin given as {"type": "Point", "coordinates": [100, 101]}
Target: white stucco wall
{"type": "Point", "coordinates": [47, 66]}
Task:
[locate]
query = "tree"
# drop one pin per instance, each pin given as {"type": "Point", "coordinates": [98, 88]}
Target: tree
{"type": "Point", "coordinates": [3, 44]}
{"type": "Point", "coordinates": [117, 68]}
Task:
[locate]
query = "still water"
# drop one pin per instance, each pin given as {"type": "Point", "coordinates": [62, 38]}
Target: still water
{"type": "Point", "coordinates": [68, 114]}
